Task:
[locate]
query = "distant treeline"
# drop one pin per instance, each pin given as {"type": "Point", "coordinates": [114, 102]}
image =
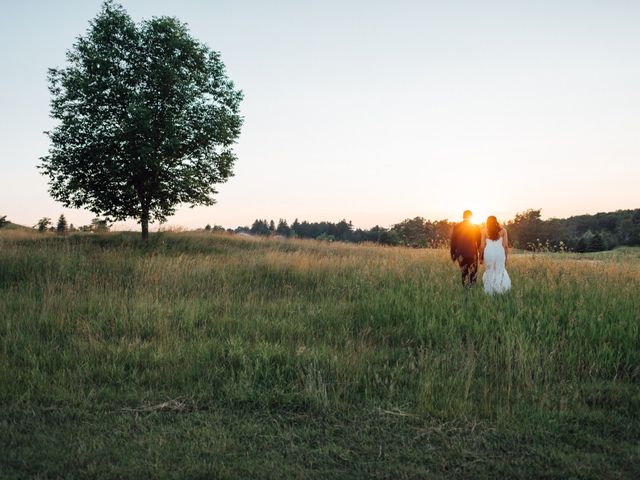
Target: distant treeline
{"type": "Point", "coordinates": [583, 233]}
{"type": "Point", "coordinates": [416, 232]}
{"type": "Point", "coordinates": [97, 225]}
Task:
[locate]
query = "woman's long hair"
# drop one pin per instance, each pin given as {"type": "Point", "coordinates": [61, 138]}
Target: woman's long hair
{"type": "Point", "coordinates": [493, 228]}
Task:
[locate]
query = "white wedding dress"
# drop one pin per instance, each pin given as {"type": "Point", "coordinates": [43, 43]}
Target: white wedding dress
{"type": "Point", "coordinates": [495, 278]}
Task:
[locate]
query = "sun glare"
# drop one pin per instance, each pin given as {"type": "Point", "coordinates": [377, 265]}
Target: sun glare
{"type": "Point", "coordinates": [478, 219]}
{"type": "Point", "coordinates": [479, 212]}
{"type": "Point", "coordinates": [479, 216]}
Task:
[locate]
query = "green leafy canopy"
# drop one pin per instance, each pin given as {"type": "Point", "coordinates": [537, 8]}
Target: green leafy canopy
{"type": "Point", "coordinates": [147, 119]}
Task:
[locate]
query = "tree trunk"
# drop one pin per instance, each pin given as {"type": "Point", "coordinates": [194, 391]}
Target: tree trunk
{"type": "Point", "coordinates": [144, 220]}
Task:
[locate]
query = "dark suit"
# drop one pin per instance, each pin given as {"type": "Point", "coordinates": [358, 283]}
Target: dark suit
{"type": "Point", "coordinates": [465, 246]}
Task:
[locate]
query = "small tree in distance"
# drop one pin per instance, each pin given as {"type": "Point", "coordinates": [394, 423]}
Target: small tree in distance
{"type": "Point", "coordinates": [260, 227]}
{"type": "Point", "coordinates": [100, 225]}
{"type": "Point", "coordinates": [596, 244]}
{"type": "Point", "coordinates": [3, 221]}
{"type": "Point", "coordinates": [389, 237]}
{"type": "Point", "coordinates": [147, 120]}
{"type": "Point", "coordinates": [283, 228]}
{"type": "Point", "coordinates": [43, 224]}
{"type": "Point", "coordinates": [61, 228]}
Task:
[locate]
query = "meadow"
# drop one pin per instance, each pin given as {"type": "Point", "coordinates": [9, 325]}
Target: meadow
{"type": "Point", "coordinates": [217, 356]}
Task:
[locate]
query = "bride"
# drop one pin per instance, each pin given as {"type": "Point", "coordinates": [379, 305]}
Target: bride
{"type": "Point", "coordinates": [494, 248]}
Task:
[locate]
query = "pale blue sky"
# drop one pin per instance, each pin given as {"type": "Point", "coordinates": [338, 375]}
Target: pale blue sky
{"type": "Point", "coordinates": [375, 111]}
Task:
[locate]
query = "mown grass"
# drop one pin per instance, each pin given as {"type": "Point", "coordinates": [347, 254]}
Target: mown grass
{"type": "Point", "coordinates": [225, 357]}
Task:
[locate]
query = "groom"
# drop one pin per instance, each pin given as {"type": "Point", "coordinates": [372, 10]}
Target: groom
{"type": "Point", "coordinates": [465, 245]}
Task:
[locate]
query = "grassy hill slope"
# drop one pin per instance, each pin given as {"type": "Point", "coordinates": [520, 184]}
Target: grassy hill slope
{"type": "Point", "coordinates": [15, 226]}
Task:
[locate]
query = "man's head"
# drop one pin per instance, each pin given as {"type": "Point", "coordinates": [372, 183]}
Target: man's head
{"type": "Point", "coordinates": [467, 215]}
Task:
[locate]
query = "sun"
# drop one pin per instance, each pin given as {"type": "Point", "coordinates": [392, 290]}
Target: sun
{"type": "Point", "coordinates": [480, 212]}
{"type": "Point", "coordinates": [477, 219]}
{"type": "Point", "coordinates": [479, 216]}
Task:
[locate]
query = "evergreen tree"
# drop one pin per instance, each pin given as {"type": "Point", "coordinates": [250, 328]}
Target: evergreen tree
{"type": "Point", "coordinates": [3, 221]}
{"type": "Point", "coordinates": [294, 228]}
{"type": "Point", "coordinates": [61, 228]}
{"type": "Point", "coordinates": [283, 228]}
{"type": "Point", "coordinates": [343, 230]}
{"type": "Point", "coordinates": [272, 227]}
{"type": "Point", "coordinates": [260, 227]}
{"type": "Point", "coordinates": [581, 245]}
{"type": "Point", "coordinates": [633, 231]}
{"type": "Point", "coordinates": [596, 244]}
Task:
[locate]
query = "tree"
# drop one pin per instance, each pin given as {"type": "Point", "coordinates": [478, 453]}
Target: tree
{"type": "Point", "coordinates": [272, 227]}
{"type": "Point", "coordinates": [629, 229]}
{"type": "Point", "coordinates": [581, 245]}
{"type": "Point", "coordinates": [530, 215]}
{"type": "Point", "coordinates": [442, 230]}
{"type": "Point", "coordinates": [43, 224]}
{"type": "Point", "coordinates": [344, 230]}
{"type": "Point", "coordinates": [3, 221]}
{"type": "Point", "coordinates": [413, 232]}
{"type": "Point", "coordinates": [99, 225]}
{"type": "Point", "coordinates": [61, 228]}
{"type": "Point", "coordinates": [260, 227]}
{"type": "Point", "coordinates": [147, 120]}
{"type": "Point", "coordinates": [526, 230]}
{"type": "Point", "coordinates": [283, 228]}
{"type": "Point", "coordinates": [375, 234]}
{"type": "Point", "coordinates": [596, 244]}
{"type": "Point", "coordinates": [295, 226]}
{"type": "Point", "coordinates": [389, 237]}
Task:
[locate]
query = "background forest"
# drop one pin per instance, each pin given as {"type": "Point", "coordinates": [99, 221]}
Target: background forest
{"type": "Point", "coordinates": [528, 231]}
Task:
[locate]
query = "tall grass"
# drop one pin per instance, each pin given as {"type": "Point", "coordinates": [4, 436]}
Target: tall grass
{"type": "Point", "coordinates": [216, 321]}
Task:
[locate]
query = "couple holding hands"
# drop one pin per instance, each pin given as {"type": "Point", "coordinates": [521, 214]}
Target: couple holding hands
{"type": "Point", "coordinates": [470, 244]}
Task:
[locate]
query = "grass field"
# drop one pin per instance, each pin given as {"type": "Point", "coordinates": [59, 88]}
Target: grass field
{"type": "Point", "coordinates": [203, 356]}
